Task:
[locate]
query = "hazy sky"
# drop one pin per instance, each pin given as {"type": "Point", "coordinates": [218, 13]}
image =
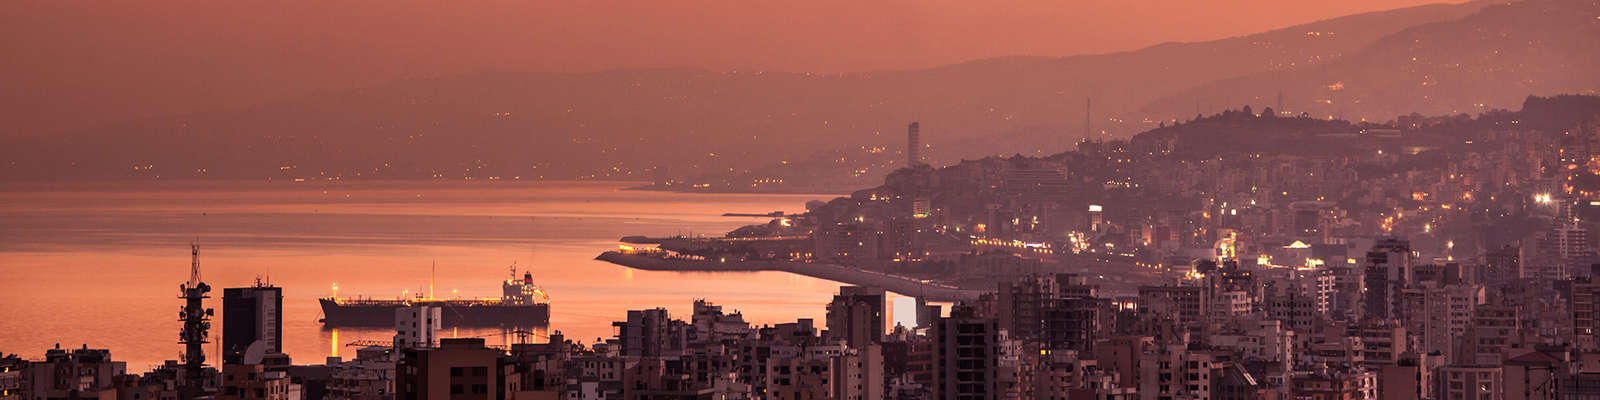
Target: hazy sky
{"type": "Point", "coordinates": [125, 58]}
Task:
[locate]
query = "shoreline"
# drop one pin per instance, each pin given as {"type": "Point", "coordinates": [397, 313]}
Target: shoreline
{"type": "Point", "coordinates": [835, 191]}
{"type": "Point", "coordinates": [902, 285]}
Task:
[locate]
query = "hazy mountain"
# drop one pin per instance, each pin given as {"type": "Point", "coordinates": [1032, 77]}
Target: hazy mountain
{"type": "Point", "coordinates": [1490, 60]}
{"type": "Point", "coordinates": [624, 123]}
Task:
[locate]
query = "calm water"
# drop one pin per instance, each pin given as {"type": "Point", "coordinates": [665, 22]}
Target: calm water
{"type": "Point", "coordinates": [100, 263]}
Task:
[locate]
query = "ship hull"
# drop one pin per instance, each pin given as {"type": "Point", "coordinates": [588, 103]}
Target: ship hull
{"type": "Point", "coordinates": [452, 314]}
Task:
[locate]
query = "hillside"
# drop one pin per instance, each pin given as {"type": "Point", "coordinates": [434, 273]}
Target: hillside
{"type": "Point", "coordinates": [623, 124]}
{"type": "Point", "coordinates": [1489, 60]}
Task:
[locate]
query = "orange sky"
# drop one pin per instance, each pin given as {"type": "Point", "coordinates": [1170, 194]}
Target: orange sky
{"type": "Point", "coordinates": [122, 58]}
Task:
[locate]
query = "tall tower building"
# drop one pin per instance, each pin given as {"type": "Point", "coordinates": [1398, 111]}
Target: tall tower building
{"type": "Point", "coordinates": [967, 350]}
{"type": "Point", "coordinates": [857, 315]}
{"type": "Point", "coordinates": [1388, 270]}
{"type": "Point", "coordinates": [1088, 124]}
{"type": "Point", "coordinates": [251, 317]}
{"type": "Point", "coordinates": [913, 145]}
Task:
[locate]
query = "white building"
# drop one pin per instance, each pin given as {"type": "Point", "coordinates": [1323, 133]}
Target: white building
{"type": "Point", "coordinates": [417, 326]}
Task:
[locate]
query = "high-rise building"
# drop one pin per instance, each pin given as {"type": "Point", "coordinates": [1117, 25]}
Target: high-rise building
{"type": "Point", "coordinates": [252, 323]}
{"type": "Point", "coordinates": [1349, 286]}
{"type": "Point", "coordinates": [1501, 266]}
{"type": "Point", "coordinates": [1439, 318]}
{"type": "Point", "coordinates": [859, 374]}
{"type": "Point", "coordinates": [857, 315]}
{"type": "Point", "coordinates": [1585, 296]}
{"type": "Point", "coordinates": [913, 145]}
{"type": "Point", "coordinates": [711, 325]}
{"type": "Point", "coordinates": [648, 333]}
{"type": "Point", "coordinates": [1263, 340]}
{"type": "Point", "coordinates": [1388, 271]}
{"type": "Point", "coordinates": [1494, 329]}
{"type": "Point", "coordinates": [1561, 251]}
{"type": "Point", "coordinates": [1060, 311]}
{"type": "Point", "coordinates": [1181, 304]}
{"type": "Point", "coordinates": [1385, 342]}
{"type": "Point", "coordinates": [966, 356]}
{"type": "Point", "coordinates": [824, 371]}
{"type": "Point", "coordinates": [458, 369]}
{"type": "Point", "coordinates": [1021, 304]}
{"type": "Point", "coordinates": [1299, 298]}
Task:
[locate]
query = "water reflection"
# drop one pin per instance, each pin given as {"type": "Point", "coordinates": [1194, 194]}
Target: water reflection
{"type": "Point", "coordinates": [94, 263]}
{"type": "Point", "coordinates": [342, 337]}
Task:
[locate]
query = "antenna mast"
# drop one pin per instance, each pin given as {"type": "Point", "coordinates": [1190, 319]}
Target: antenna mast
{"type": "Point", "coordinates": [196, 327]}
{"type": "Point", "coordinates": [194, 264]}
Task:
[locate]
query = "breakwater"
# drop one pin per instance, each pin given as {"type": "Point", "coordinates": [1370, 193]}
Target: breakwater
{"type": "Point", "coordinates": [903, 285]}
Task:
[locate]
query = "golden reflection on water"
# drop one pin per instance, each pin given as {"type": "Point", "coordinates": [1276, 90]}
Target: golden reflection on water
{"type": "Point", "coordinates": [94, 263]}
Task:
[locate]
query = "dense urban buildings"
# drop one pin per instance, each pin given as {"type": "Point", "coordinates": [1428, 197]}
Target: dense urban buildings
{"type": "Point", "coordinates": [920, 213]}
{"type": "Point", "coordinates": [1439, 258]}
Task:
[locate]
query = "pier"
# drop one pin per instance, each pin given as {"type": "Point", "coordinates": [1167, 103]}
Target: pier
{"type": "Point", "coordinates": [903, 285]}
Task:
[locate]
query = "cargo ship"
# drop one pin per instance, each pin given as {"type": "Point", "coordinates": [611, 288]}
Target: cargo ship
{"type": "Point", "coordinates": [522, 304]}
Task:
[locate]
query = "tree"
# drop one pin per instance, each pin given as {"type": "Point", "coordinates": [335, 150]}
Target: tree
{"type": "Point", "coordinates": [1247, 110]}
{"type": "Point", "coordinates": [1268, 112]}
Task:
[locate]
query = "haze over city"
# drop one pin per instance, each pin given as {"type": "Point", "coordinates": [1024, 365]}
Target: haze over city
{"type": "Point", "coordinates": [74, 65]}
{"type": "Point", "coordinates": [1108, 200]}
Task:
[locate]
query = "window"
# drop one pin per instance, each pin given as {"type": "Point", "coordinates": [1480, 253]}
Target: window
{"type": "Point", "coordinates": [455, 389]}
{"type": "Point", "coordinates": [457, 371]}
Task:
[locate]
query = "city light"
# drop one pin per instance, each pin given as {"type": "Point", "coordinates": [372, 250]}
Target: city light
{"type": "Point", "coordinates": [955, 220]}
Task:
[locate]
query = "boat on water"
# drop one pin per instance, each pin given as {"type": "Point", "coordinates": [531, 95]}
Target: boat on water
{"type": "Point", "coordinates": [522, 303]}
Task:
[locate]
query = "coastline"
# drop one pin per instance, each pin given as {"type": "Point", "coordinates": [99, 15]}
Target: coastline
{"type": "Point", "coordinates": [830, 191]}
{"type": "Point", "coordinates": [853, 276]}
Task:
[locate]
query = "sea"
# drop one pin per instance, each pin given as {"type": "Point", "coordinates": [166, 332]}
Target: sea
{"type": "Point", "coordinates": [99, 264]}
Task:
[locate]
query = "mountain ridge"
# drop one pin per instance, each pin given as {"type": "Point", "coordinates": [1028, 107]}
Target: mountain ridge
{"type": "Point", "coordinates": [626, 123]}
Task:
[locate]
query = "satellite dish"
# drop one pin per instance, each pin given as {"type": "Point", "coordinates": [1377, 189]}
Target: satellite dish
{"type": "Point", "coordinates": [254, 353]}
